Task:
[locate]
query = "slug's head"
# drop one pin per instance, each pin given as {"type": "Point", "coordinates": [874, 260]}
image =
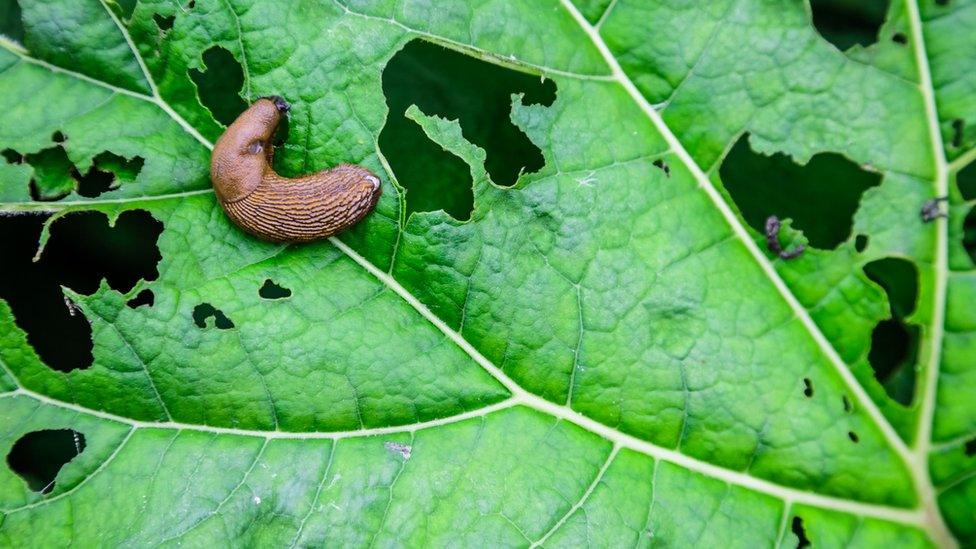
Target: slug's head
{"type": "Point", "coordinates": [243, 153]}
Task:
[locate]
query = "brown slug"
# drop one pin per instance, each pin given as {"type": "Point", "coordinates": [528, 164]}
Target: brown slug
{"type": "Point", "coordinates": [277, 208]}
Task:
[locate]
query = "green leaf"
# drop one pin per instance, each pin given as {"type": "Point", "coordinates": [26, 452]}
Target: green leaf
{"type": "Point", "coordinates": [606, 352]}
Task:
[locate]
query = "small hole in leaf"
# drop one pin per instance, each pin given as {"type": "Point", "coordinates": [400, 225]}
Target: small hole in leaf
{"type": "Point", "coordinates": [11, 21]}
{"type": "Point", "coordinates": [970, 447]}
{"type": "Point", "coordinates": [969, 234]}
{"type": "Point", "coordinates": [219, 84]}
{"type": "Point", "coordinates": [942, 2]}
{"type": "Point", "coordinates": [957, 135]}
{"type": "Point", "coordinates": [800, 533]}
{"type": "Point", "coordinates": [899, 38]}
{"type": "Point", "coordinates": [860, 243]}
{"type": "Point", "coordinates": [807, 387]}
{"type": "Point", "coordinates": [844, 23]}
{"type": "Point", "coordinates": [663, 166]}
{"type": "Point", "coordinates": [12, 156]}
{"type": "Point", "coordinates": [164, 22]}
{"type": "Point", "coordinates": [894, 351]}
{"type": "Point", "coordinates": [448, 84]}
{"type": "Point", "coordinates": [820, 197]}
{"type": "Point", "coordinates": [55, 176]}
{"type": "Point", "coordinates": [81, 251]}
{"type": "Point", "coordinates": [191, 4]}
{"type": "Point", "coordinates": [848, 407]}
{"type": "Point", "coordinates": [270, 290]}
{"type": "Point", "coordinates": [966, 182]}
{"type": "Point", "coordinates": [58, 138]}
{"type": "Point", "coordinates": [853, 436]}
{"type": "Point", "coordinates": [38, 456]}
{"type": "Point", "coordinates": [899, 279]}
{"type": "Point", "coordinates": [204, 311]}
{"type": "Point", "coordinates": [145, 297]}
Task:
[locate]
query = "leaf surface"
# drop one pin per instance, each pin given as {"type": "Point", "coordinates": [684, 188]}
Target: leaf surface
{"type": "Point", "coordinates": [605, 352]}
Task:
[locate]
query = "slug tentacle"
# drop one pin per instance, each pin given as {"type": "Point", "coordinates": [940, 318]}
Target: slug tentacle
{"type": "Point", "coordinates": [277, 208]}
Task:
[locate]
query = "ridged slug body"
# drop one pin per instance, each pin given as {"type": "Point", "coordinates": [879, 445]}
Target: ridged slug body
{"type": "Point", "coordinates": [277, 208]}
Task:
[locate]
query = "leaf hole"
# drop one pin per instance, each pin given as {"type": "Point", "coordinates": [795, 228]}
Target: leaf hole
{"type": "Point", "coordinates": [958, 126]}
{"type": "Point", "coordinates": [861, 243]}
{"type": "Point", "coordinates": [204, 311]}
{"type": "Point", "coordinates": [164, 22]}
{"type": "Point", "coordinates": [271, 290]}
{"type": "Point", "coordinates": [893, 354]}
{"type": "Point", "coordinates": [848, 407]}
{"type": "Point", "coordinates": [82, 251]}
{"type": "Point", "coordinates": [663, 166]}
{"type": "Point", "coordinates": [219, 84]}
{"type": "Point", "coordinates": [807, 387]}
{"type": "Point", "coordinates": [145, 297]}
{"type": "Point", "coordinates": [899, 38]}
{"type": "Point", "coordinates": [820, 197]}
{"type": "Point", "coordinates": [969, 234]}
{"type": "Point", "coordinates": [966, 182]}
{"type": "Point", "coordinates": [801, 535]}
{"type": "Point", "coordinates": [853, 436]}
{"type": "Point", "coordinates": [12, 156]}
{"type": "Point", "coordinates": [38, 456]}
{"type": "Point", "coordinates": [58, 137]}
{"type": "Point", "coordinates": [55, 175]}
{"type": "Point", "coordinates": [452, 85]}
{"type": "Point", "coordinates": [970, 447]}
{"type": "Point", "coordinates": [845, 24]}
{"type": "Point", "coordinates": [899, 279]}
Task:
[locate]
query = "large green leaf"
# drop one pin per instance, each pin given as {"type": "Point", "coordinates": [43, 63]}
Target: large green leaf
{"type": "Point", "coordinates": [605, 353]}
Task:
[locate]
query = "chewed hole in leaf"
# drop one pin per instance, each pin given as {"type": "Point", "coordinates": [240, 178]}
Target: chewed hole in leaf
{"type": "Point", "coordinates": [899, 38]}
{"type": "Point", "coordinates": [861, 243]}
{"type": "Point", "coordinates": [957, 132]}
{"type": "Point", "coordinates": [796, 526]}
{"type": "Point", "coordinates": [478, 94]}
{"type": "Point", "coordinates": [55, 176]}
{"type": "Point", "coordinates": [966, 182]}
{"type": "Point", "coordinates": [844, 23]}
{"type": "Point", "coordinates": [899, 279]}
{"type": "Point", "coordinates": [663, 166]}
{"type": "Point", "coordinates": [969, 234]}
{"type": "Point", "coordinates": [204, 311]}
{"type": "Point", "coordinates": [271, 290]}
{"type": "Point", "coordinates": [38, 456]}
{"type": "Point", "coordinates": [820, 197]}
{"type": "Point", "coordinates": [894, 343]}
{"type": "Point", "coordinates": [219, 84]}
{"type": "Point", "coordinates": [81, 251]}
{"type": "Point", "coordinates": [970, 447]}
{"type": "Point", "coordinates": [108, 172]}
{"type": "Point", "coordinates": [807, 387]}
{"type": "Point", "coordinates": [145, 297]}
{"type": "Point", "coordinates": [164, 22]}
{"type": "Point", "coordinates": [12, 157]}
{"type": "Point", "coordinates": [853, 436]}
{"type": "Point", "coordinates": [11, 22]}
{"type": "Point", "coordinates": [894, 351]}
{"type": "Point", "coordinates": [848, 407]}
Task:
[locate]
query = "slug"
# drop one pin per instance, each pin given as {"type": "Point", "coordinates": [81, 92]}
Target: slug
{"type": "Point", "coordinates": [277, 208]}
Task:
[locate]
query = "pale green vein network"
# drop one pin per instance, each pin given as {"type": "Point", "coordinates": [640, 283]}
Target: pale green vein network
{"type": "Point", "coordinates": [520, 396]}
